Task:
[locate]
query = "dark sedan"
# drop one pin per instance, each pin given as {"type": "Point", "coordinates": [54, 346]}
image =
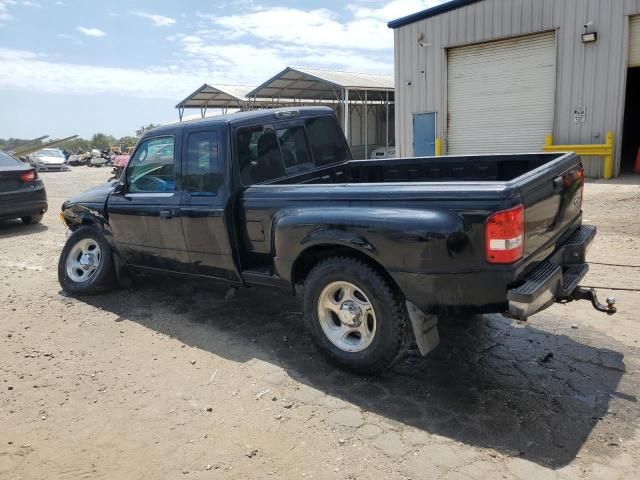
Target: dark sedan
{"type": "Point", "coordinates": [22, 193]}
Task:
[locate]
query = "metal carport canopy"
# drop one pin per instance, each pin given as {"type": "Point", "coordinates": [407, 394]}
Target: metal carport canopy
{"type": "Point", "coordinates": [303, 83]}
{"type": "Point", "coordinates": [314, 84]}
{"type": "Point", "coordinates": [216, 96]}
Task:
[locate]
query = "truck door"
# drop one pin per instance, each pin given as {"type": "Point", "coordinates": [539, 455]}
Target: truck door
{"type": "Point", "coordinates": [144, 215]}
{"type": "Point", "coordinates": [206, 206]}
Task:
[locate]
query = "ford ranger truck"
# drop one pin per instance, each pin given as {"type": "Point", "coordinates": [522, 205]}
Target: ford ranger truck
{"type": "Point", "coordinates": [377, 249]}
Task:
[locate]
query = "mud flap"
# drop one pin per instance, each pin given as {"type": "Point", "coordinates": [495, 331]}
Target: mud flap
{"type": "Point", "coordinates": [425, 329]}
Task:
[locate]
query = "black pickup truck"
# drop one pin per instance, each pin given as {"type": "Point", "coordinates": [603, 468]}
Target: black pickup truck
{"type": "Point", "coordinates": [378, 248]}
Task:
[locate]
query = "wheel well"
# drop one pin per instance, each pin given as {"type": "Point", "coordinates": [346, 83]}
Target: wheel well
{"type": "Point", "coordinates": [85, 221]}
{"type": "Point", "coordinates": [314, 255]}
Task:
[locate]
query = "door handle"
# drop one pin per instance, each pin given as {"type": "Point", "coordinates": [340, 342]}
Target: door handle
{"type": "Point", "coordinates": [166, 213]}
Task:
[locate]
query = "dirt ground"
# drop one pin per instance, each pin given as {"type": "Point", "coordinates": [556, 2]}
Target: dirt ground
{"type": "Point", "coordinates": [176, 379]}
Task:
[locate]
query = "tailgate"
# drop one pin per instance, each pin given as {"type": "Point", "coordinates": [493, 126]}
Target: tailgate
{"type": "Point", "coordinates": [553, 202]}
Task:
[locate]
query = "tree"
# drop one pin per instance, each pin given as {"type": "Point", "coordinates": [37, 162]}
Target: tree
{"type": "Point", "coordinates": [102, 141]}
{"type": "Point", "coordinates": [76, 144]}
{"type": "Point", "coordinates": [12, 143]}
{"type": "Point", "coordinates": [143, 129]}
{"type": "Point", "coordinates": [126, 142]}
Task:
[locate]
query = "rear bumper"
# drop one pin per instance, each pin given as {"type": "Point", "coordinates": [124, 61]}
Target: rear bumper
{"type": "Point", "coordinates": [22, 204]}
{"type": "Point", "coordinates": [63, 167]}
{"type": "Point", "coordinates": [554, 279]}
{"type": "Point", "coordinates": [516, 289]}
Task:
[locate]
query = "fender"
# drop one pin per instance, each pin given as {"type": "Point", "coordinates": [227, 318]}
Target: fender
{"type": "Point", "coordinates": [399, 239]}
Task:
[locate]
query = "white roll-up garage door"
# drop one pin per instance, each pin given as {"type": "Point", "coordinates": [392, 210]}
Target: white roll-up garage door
{"type": "Point", "coordinates": [634, 42]}
{"type": "Point", "coordinates": [501, 95]}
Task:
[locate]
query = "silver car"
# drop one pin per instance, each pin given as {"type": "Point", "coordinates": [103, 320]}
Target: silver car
{"type": "Point", "coordinates": [49, 159]}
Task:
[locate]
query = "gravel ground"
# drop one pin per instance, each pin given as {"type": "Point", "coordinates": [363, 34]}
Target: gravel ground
{"type": "Point", "coordinates": [176, 379]}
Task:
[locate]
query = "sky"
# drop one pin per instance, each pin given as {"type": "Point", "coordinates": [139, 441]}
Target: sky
{"type": "Point", "coordinates": [84, 66]}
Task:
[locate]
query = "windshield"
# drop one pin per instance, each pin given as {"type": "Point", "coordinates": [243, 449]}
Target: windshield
{"type": "Point", "coordinates": [7, 160]}
{"type": "Point", "coordinates": [50, 152]}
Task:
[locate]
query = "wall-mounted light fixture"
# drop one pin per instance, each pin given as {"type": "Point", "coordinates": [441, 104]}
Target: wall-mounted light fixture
{"type": "Point", "coordinates": [589, 37]}
{"type": "Point", "coordinates": [421, 41]}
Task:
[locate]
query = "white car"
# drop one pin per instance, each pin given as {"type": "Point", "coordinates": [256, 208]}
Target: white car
{"type": "Point", "coordinates": [49, 159]}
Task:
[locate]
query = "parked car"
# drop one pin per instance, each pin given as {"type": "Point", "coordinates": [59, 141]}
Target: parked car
{"type": "Point", "coordinates": [119, 164]}
{"type": "Point", "coordinates": [22, 193]}
{"type": "Point", "coordinates": [377, 248]}
{"type": "Point", "coordinates": [49, 159]}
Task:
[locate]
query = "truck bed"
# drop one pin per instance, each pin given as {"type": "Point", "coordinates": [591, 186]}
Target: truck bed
{"type": "Point", "coordinates": [422, 218]}
{"type": "Point", "coordinates": [477, 168]}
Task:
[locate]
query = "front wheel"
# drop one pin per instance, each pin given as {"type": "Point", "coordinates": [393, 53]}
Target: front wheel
{"type": "Point", "coordinates": [357, 318]}
{"type": "Point", "coordinates": [86, 264]}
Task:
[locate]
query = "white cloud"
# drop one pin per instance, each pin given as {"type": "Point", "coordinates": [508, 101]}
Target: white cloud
{"type": "Point", "coordinates": [31, 4]}
{"type": "Point", "coordinates": [158, 20]}
{"type": "Point", "coordinates": [73, 38]}
{"type": "Point", "coordinates": [256, 44]}
{"type": "Point", "coordinates": [234, 49]}
{"type": "Point", "coordinates": [394, 9]}
{"type": "Point", "coordinates": [4, 10]}
{"type": "Point", "coordinates": [60, 4]}
{"type": "Point", "coordinates": [91, 32]}
{"type": "Point", "coordinates": [318, 28]}
{"type": "Point", "coordinates": [24, 70]}
{"type": "Point", "coordinates": [250, 64]}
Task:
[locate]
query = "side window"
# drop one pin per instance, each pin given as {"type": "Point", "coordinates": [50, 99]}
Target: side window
{"type": "Point", "coordinates": [294, 148]}
{"type": "Point", "coordinates": [258, 152]}
{"type": "Point", "coordinates": [326, 141]}
{"type": "Point", "coordinates": [152, 168]}
{"type": "Point", "coordinates": [203, 172]}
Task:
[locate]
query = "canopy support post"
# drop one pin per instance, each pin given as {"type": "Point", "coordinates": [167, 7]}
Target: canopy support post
{"type": "Point", "coordinates": [366, 126]}
{"type": "Point", "coordinates": [387, 124]}
{"type": "Point", "coordinates": [346, 114]}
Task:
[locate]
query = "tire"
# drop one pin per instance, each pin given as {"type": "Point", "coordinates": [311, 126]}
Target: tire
{"type": "Point", "coordinates": [378, 343]}
{"type": "Point", "coordinates": [94, 271]}
{"type": "Point", "coordinates": [32, 219]}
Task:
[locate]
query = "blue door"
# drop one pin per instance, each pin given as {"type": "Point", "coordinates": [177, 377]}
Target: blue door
{"type": "Point", "coordinates": [424, 134]}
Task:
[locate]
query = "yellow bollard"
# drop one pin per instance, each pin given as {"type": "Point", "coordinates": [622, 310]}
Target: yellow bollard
{"type": "Point", "coordinates": [438, 147]}
{"type": "Point", "coordinates": [608, 159]}
{"type": "Point", "coordinates": [606, 151]}
{"type": "Point", "coordinates": [549, 140]}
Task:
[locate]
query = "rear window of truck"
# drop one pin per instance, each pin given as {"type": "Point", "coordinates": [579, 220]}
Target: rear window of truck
{"type": "Point", "coordinates": [267, 152]}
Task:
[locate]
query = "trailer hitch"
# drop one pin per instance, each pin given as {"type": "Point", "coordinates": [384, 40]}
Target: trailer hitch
{"type": "Point", "coordinates": [581, 293]}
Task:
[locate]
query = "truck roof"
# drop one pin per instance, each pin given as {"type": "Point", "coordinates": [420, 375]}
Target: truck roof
{"type": "Point", "coordinates": [248, 117]}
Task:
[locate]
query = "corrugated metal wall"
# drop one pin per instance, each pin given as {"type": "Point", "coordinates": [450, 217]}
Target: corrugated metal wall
{"type": "Point", "coordinates": [591, 75]}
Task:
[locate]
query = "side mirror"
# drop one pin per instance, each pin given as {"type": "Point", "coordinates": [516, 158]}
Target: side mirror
{"type": "Point", "coordinates": [121, 188]}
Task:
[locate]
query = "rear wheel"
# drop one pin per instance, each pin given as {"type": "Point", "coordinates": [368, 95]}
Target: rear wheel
{"type": "Point", "coordinates": [86, 265]}
{"type": "Point", "coordinates": [32, 219]}
{"type": "Point", "coordinates": [356, 316]}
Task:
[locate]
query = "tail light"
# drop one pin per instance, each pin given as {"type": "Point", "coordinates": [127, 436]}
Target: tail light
{"type": "Point", "coordinates": [29, 176]}
{"type": "Point", "coordinates": [581, 176]}
{"type": "Point", "coordinates": [504, 236]}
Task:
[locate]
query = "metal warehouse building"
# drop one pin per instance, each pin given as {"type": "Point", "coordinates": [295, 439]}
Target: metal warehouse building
{"type": "Point", "coordinates": [499, 76]}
